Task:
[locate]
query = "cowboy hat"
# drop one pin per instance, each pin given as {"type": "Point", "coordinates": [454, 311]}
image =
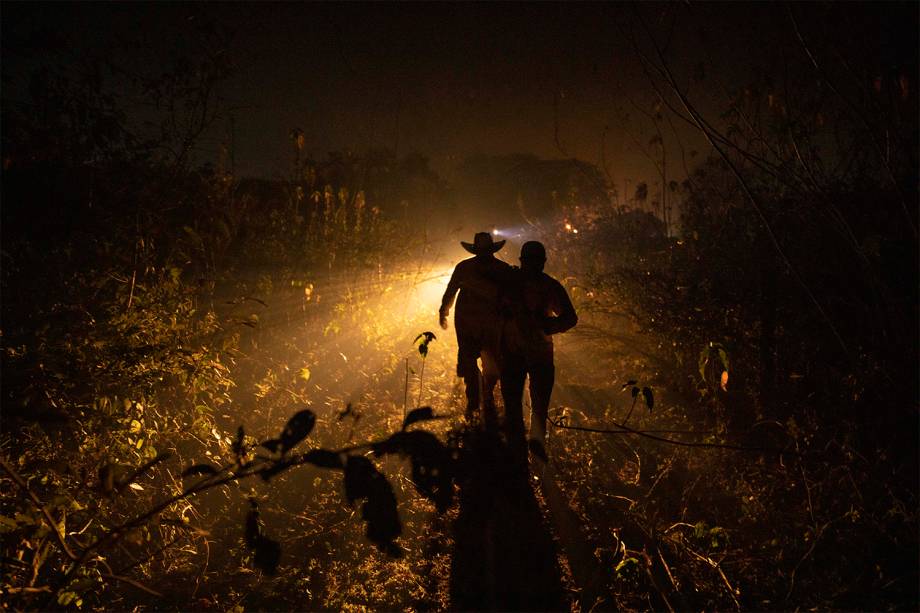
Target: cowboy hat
{"type": "Point", "coordinates": [483, 244]}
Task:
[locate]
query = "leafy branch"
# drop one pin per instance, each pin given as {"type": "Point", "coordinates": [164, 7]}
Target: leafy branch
{"type": "Point", "coordinates": [433, 473]}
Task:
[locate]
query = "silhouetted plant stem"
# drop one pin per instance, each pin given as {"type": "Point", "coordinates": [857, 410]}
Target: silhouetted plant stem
{"type": "Point", "coordinates": [406, 391]}
{"type": "Point", "coordinates": [421, 382]}
{"type": "Point", "coordinates": [635, 398]}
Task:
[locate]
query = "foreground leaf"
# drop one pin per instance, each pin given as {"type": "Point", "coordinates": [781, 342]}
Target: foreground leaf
{"type": "Point", "coordinates": [297, 429]}
{"type": "Point", "coordinates": [363, 480]}
{"type": "Point", "coordinates": [649, 398]}
{"type": "Point", "coordinates": [419, 414]}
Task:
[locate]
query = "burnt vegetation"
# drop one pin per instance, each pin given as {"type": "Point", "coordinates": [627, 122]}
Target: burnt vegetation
{"type": "Point", "coordinates": [212, 400]}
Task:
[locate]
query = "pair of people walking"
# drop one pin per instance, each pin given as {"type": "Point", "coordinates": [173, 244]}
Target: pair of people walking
{"type": "Point", "coordinates": [506, 316]}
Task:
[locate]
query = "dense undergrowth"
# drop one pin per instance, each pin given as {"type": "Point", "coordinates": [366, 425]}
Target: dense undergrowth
{"type": "Point", "coordinates": [821, 458]}
{"type": "Point", "coordinates": [126, 332]}
{"type": "Point", "coordinates": [126, 362]}
{"type": "Point", "coordinates": [157, 318]}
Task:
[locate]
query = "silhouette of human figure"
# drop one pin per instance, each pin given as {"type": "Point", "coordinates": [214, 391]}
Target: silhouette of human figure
{"type": "Point", "coordinates": [540, 307]}
{"type": "Point", "coordinates": [479, 280]}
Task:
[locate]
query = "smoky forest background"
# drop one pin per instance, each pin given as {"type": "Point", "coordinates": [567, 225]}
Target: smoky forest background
{"type": "Point", "coordinates": [218, 393]}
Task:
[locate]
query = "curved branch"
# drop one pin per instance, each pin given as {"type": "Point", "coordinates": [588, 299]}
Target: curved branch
{"type": "Point", "coordinates": [646, 434]}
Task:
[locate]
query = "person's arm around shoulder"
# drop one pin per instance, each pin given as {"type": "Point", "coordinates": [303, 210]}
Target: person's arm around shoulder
{"type": "Point", "coordinates": [565, 318]}
{"type": "Point", "coordinates": [509, 290]}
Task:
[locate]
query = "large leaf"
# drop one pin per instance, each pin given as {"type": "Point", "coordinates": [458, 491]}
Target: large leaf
{"type": "Point", "coordinates": [649, 398]}
{"type": "Point", "coordinates": [267, 555]}
{"type": "Point", "coordinates": [426, 338]}
{"type": "Point", "coordinates": [297, 429]}
{"type": "Point", "coordinates": [267, 552]}
{"type": "Point", "coordinates": [359, 472]}
{"type": "Point", "coordinates": [433, 465]}
{"type": "Point", "coordinates": [253, 524]}
{"type": "Point", "coordinates": [703, 362]}
{"type": "Point", "coordinates": [363, 480]}
{"type": "Point", "coordinates": [419, 414]}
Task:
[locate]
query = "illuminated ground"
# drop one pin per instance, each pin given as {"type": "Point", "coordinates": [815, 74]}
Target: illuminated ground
{"type": "Point", "coordinates": [349, 340]}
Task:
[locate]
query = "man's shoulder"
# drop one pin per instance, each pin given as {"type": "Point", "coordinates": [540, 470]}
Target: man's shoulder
{"type": "Point", "coordinates": [551, 281]}
{"type": "Point", "coordinates": [496, 265]}
{"type": "Point", "coordinates": [465, 264]}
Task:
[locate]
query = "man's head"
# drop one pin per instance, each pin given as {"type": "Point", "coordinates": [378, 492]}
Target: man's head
{"type": "Point", "coordinates": [533, 256]}
{"type": "Point", "coordinates": [483, 245]}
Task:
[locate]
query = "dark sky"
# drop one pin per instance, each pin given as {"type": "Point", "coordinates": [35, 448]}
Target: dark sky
{"type": "Point", "coordinates": [446, 80]}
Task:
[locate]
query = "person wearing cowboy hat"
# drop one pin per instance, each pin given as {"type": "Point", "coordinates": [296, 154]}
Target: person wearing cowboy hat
{"type": "Point", "coordinates": [479, 280]}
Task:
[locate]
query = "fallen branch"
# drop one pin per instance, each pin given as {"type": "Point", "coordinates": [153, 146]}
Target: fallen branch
{"type": "Point", "coordinates": [560, 423]}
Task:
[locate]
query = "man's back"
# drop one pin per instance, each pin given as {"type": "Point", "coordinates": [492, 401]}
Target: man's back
{"type": "Point", "coordinates": [540, 308]}
{"type": "Point", "coordinates": [479, 281]}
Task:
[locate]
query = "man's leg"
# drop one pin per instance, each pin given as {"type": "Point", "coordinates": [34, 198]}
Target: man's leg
{"type": "Point", "coordinates": [490, 376]}
{"type": "Point", "coordinates": [467, 354]}
{"type": "Point", "coordinates": [512, 377]}
{"type": "Point", "coordinates": [542, 377]}
{"type": "Point", "coordinates": [472, 383]}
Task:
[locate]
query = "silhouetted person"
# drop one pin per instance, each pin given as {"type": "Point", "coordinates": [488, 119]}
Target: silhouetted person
{"type": "Point", "coordinates": [476, 319]}
{"type": "Point", "coordinates": [540, 307]}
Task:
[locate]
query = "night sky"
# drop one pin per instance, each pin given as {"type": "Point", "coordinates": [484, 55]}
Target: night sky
{"type": "Point", "coordinates": [445, 80]}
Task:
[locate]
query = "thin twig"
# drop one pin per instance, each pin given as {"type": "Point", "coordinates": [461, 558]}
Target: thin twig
{"type": "Point", "coordinates": [635, 398]}
{"type": "Point", "coordinates": [406, 391]}
{"type": "Point", "coordinates": [132, 582]}
{"type": "Point", "coordinates": [141, 470]}
{"type": "Point", "coordinates": [421, 382]}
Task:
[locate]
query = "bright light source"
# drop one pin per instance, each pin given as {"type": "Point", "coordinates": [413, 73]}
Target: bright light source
{"type": "Point", "coordinates": [575, 230]}
{"type": "Point", "coordinates": [568, 227]}
{"type": "Point", "coordinates": [495, 231]}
